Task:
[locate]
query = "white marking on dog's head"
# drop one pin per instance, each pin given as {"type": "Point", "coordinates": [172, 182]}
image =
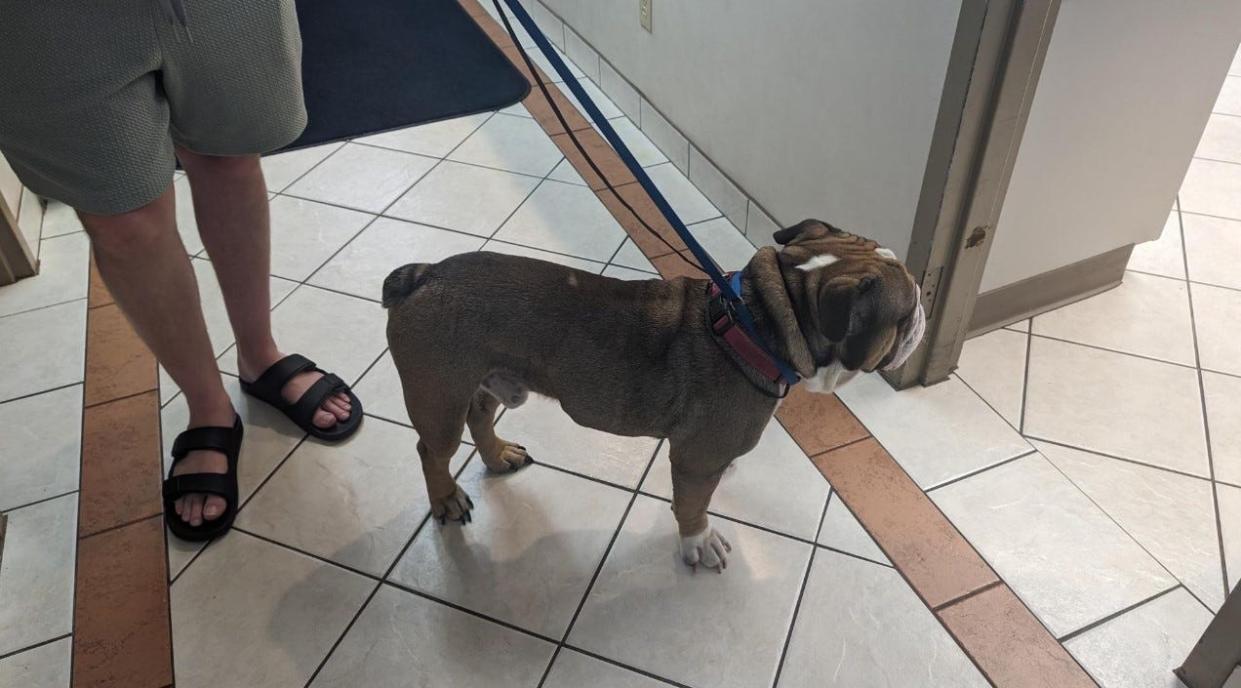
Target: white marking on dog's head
{"type": "Point", "coordinates": [828, 378]}
{"type": "Point", "coordinates": [820, 261]}
{"type": "Point", "coordinates": [913, 336]}
{"type": "Point", "coordinates": [886, 252]}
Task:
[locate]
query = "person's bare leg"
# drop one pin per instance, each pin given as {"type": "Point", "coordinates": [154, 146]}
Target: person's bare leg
{"type": "Point", "coordinates": [143, 262]}
{"type": "Point", "coordinates": [230, 205]}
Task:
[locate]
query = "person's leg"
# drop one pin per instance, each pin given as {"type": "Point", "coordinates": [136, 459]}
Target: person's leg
{"type": "Point", "coordinates": [144, 264]}
{"type": "Point", "coordinates": [230, 205]}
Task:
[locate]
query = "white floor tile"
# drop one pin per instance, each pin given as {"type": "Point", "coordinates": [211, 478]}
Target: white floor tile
{"type": "Point", "coordinates": [684, 197]}
{"type": "Point", "coordinates": [381, 390]}
{"type": "Point", "coordinates": [515, 144]}
{"type": "Point", "coordinates": [1116, 404]}
{"type": "Point", "coordinates": [46, 666]}
{"type": "Point", "coordinates": [42, 349]}
{"type": "Point", "coordinates": [774, 486]}
{"type": "Point", "coordinates": [59, 219]}
{"type": "Point", "coordinates": [1063, 556]}
{"type": "Point", "coordinates": [1162, 256]}
{"type": "Point", "coordinates": [305, 233]}
{"type": "Point", "coordinates": [250, 613]}
{"type": "Point", "coordinates": [645, 152]}
{"type": "Point", "coordinates": [527, 252]}
{"type": "Point", "coordinates": [565, 219]}
{"type": "Point", "coordinates": [282, 169]}
{"type": "Point", "coordinates": [436, 139]}
{"type": "Point", "coordinates": [728, 246]}
{"type": "Point", "coordinates": [342, 334]}
{"type": "Point", "coordinates": [936, 433]}
{"type": "Point", "coordinates": [994, 366]}
{"type": "Point", "coordinates": [1141, 648]}
{"type": "Point", "coordinates": [1222, 139]}
{"type": "Point", "coordinates": [1146, 315]}
{"type": "Point", "coordinates": [36, 574]}
{"type": "Point", "coordinates": [841, 530]}
{"type": "Point", "coordinates": [403, 640]}
{"type": "Point", "coordinates": [1229, 101]}
{"type": "Point", "coordinates": [1212, 188]}
{"type": "Point", "coordinates": [64, 270]}
{"type": "Point", "coordinates": [361, 267]}
{"type": "Point", "coordinates": [627, 274]}
{"type": "Point", "coordinates": [1223, 400]}
{"type": "Point", "coordinates": [517, 110]}
{"type": "Point", "coordinates": [565, 172]}
{"type": "Point", "coordinates": [527, 558]}
{"type": "Point", "coordinates": [649, 610]}
{"type": "Point", "coordinates": [1216, 314]}
{"type": "Point", "coordinates": [187, 225]}
{"type": "Point", "coordinates": [362, 177]}
{"type": "Point", "coordinates": [861, 626]}
{"type": "Point", "coordinates": [553, 438]}
{"type": "Point", "coordinates": [41, 446]}
{"type": "Point", "coordinates": [630, 256]}
{"type": "Point", "coordinates": [355, 503]}
{"type": "Point", "coordinates": [1172, 516]}
{"type": "Point", "coordinates": [1230, 519]}
{"type": "Point", "coordinates": [465, 198]}
{"type": "Point", "coordinates": [606, 107]}
{"type": "Point", "coordinates": [1213, 250]}
{"type": "Point", "coordinates": [575, 670]}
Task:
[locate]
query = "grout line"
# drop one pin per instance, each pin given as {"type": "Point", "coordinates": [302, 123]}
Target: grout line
{"type": "Point", "coordinates": [1025, 380]}
{"type": "Point", "coordinates": [1226, 162]}
{"type": "Point", "coordinates": [1096, 347]}
{"type": "Point", "coordinates": [637, 670]}
{"type": "Point", "coordinates": [47, 306]}
{"type": "Point", "coordinates": [984, 469]}
{"type": "Point", "coordinates": [620, 524]}
{"type": "Point", "coordinates": [128, 396]}
{"type": "Point", "coordinates": [119, 526]}
{"type": "Point", "coordinates": [801, 593]}
{"type": "Point", "coordinates": [340, 145]}
{"type": "Point", "coordinates": [766, 529]}
{"type": "Point", "coordinates": [37, 502]}
{"type": "Point", "coordinates": [1066, 445]}
{"type": "Point", "coordinates": [38, 645]}
{"type": "Point", "coordinates": [1114, 615]}
{"type": "Point", "coordinates": [838, 447]}
{"type": "Point", "coordinates": [1206, 420]}
{"type": "Point", "coordinates": [961, 598]}
{"type": "Point", "coordinates": [307, 553]}
{"type": "Point", "coordinates": [1217, 217]}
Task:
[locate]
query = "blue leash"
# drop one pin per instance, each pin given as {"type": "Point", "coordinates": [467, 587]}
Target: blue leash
{"type": "Point", "coordinates": [729, 289]}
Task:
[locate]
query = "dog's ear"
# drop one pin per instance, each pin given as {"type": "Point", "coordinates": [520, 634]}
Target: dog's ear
{"type": "Point", "coordinates": [845, 302]}
{"type": "Point", "coordinates": [806, 229]}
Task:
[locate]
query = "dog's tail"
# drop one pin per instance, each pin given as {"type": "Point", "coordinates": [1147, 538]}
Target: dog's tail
{"type": "Point", "coordinates": [402, 282]}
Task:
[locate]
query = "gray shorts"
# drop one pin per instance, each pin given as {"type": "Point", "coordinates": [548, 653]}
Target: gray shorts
{"type": "Point", "coordinates": [93, 95]}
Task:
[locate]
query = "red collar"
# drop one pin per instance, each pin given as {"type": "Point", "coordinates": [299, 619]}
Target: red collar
{"type": "Point", "coordinates": [720, 318]}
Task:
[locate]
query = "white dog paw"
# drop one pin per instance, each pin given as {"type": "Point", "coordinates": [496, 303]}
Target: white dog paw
{"type": "Point", "coordinates": [708, 549]}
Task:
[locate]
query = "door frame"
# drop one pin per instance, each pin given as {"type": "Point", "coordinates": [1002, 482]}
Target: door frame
{"type": "Point", "coordinates": [993, 69]}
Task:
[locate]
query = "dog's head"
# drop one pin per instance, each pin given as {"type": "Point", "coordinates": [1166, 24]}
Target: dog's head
{"type": "Point", "coordinates": [863, 306]}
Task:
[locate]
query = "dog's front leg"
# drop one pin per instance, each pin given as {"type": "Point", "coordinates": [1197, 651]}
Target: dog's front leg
{"type": "Point", "coordinates": [691, 495]}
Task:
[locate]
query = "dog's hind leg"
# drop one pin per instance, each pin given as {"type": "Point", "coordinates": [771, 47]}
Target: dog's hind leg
{"type": "Point", "coordinates": [499, 455]}
{"type": "Point", "coordinates": [439, 426]}
{"type": "Point", "coordinates": [694, 479]}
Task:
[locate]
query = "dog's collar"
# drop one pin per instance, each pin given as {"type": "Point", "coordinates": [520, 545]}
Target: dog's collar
{"type": "Point", "coordinates": [723, 323]}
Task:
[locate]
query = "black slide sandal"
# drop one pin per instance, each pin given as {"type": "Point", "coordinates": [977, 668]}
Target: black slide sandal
{"type": "Point", "coordinates": [227, 441]}
{"type": "Point", "coordinates": [268, 388]}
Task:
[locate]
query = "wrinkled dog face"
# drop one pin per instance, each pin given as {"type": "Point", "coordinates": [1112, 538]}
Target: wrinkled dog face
{"type": "Point", "coordinates": [865, 305]}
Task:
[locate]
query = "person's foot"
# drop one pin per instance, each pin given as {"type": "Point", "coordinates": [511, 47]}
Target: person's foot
{"type": "Point", "coordinates": [334, 409]}
{"type": "Point", "coordinates": [196, 508]}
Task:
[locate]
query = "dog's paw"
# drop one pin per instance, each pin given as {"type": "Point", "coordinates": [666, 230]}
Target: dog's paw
{"type": "Point", "coordinates": [510, 457]}
{"type": "Point", "coordinates": [455, 507]}
{"type": "Point", "coordinates": [708, 549]}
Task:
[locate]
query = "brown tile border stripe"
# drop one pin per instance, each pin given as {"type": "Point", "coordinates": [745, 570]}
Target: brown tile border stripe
{"type": "Point", "coordinates": [122, 634]}
{"type": "Point", "coordinates": [1000, 634]}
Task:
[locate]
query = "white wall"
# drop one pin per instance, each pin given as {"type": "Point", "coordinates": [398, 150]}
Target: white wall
{"type": "Point", "coordinates": [1124, 96]}
{"type": "Point", "coordinates": [816, 108]}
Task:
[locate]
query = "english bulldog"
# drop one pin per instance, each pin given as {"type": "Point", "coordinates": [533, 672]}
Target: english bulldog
{"type": "Point", "coordinates": [648, 358]}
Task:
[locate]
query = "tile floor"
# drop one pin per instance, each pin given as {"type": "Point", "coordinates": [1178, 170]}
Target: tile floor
{"type": "Point", "coordinates": [1074, 455]}
{"type": "Point", "coordinates": [1093, 454]}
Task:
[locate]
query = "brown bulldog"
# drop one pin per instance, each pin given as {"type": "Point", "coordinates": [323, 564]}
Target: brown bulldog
{"type": "Point", "coordinates": [639, 358]}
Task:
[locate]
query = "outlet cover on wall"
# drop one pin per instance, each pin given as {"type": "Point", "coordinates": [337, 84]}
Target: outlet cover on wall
{"type": "Point", "coordinates": [644, 14]}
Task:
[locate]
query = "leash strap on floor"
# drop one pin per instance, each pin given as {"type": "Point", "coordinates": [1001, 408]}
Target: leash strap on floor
{"type": "Point", "coordinates": [732, 295]}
